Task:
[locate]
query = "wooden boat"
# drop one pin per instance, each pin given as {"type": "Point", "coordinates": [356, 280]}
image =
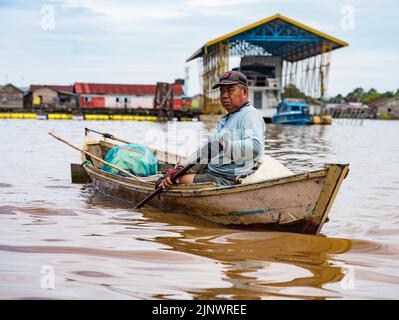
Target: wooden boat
{"type": "Point", "coordinates": [292, 111]}
{"type": "Point", "coordinates": [296, 203]}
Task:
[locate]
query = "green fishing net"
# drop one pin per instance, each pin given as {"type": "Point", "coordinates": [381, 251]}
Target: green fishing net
{"type": "Point", "coordinates": [133, 158]}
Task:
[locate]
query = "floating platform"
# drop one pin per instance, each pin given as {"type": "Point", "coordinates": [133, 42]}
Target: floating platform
{"type": "Point", "coordinates": [18, 115]}
{"type": "Point", "coordinates": [322, 119]}
{"type": "Point", "coordinates": [88, 117]}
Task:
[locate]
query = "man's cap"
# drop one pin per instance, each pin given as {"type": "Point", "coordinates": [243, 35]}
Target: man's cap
{"type": "Point", "coordinates": [230, 78]}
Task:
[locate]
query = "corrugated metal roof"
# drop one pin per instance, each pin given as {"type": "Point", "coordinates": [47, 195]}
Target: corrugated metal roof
{"type": "Point", "coordinates": [122, 89]}
{"type": "Point", "coordinates": [58, 88]}
{"type": "Point", "coordinates": [286, 47]}
{"type": "Point", "coordinates": [10, 84]}
{"type": "Point", "coordinates": [381, 101]}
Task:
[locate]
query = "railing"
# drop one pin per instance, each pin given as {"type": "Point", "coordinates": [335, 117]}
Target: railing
{"type": "Point", "coordinates": [263, 81]}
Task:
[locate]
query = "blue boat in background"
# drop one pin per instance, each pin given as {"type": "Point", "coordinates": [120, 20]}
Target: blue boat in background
{"type": "Point", "coordinates": [293, 111]}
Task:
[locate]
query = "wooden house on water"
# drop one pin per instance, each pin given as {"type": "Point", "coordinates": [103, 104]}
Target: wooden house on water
{"type": "Point", "coordinates": [52, 97]}
{"type": "Point", "coordinates": [11, 97]}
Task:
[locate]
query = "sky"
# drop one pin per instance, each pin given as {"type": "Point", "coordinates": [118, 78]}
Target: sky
{"type": "Point", "coordinates": [142, 42]}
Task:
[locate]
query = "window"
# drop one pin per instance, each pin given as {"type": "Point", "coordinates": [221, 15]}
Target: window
{"type": "Point", "coordinates": [126, 100]}
{"type": "Point", "coordinates": [258, 99]}
{"type": "Point", "coordinates": [117, 99]}
{"type": "Point", "coordinates": [87, 99]}
{"type": "Point", "coordinates": [294, 108]}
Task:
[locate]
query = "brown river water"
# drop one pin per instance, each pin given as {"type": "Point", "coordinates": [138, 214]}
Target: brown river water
{"type": "Point", "coordinates": [67, 241]}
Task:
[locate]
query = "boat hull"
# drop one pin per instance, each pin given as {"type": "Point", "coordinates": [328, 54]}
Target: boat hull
{"type": "Point", "coordinates": [292, 119]}
{"type": "Point", "coordinates": [282, 204]}
{"type": "Point", "coordinates": [299, 202]}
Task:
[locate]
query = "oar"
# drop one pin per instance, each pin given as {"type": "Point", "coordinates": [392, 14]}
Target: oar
{"type": "Point", "coordinates": [111, 136]}
{"type": "Point", "coordinates": [96, 158]}
{"type": "Point", "coordinates": [208, 148]}
{"type": "Point", "coordinates": [108, 136]}
{"type": "Point", "coordinates": [177, 175]}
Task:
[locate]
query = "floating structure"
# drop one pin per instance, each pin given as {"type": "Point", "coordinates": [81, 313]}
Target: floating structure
{"type": "Point", "coordinates": [18, 115]}
{"type": "Point", "coordinates": [11, 97]}
{"type": "Point", "coordinates": [275, 52]}
{"type": "Point", "coordinates": [96, 101]}
{"type": "Point", "coordinates": [122, 96]}
{"type": "Point", "coordinates": [53, 96]}
{"type": "Point", "coordinates": [352, 110]}
{"type": "Point", "coordinates": [385, 108]}
{"type": "Point", "coordinates": [89, 117]}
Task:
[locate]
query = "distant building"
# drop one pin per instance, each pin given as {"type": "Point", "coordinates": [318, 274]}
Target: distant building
{"type": "Point", "coordinates": [52, 96]}
{"type": "Point", "coordinates": [197, 101]}
{"type": "Point", "coordinates": [275, 52]}
{"type": "Point", "coordinates": [348, 110]}
{"type": "Point", "coordinates": [11, 97]}
{"type": "Point", "coordinates": [264, 76]}
{"type": "Point", "coordinates": [385, 108]}
{"type": "Point", "coordinates": [121, 96]}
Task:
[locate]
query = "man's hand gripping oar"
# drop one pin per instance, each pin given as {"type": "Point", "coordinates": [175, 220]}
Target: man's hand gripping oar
{"type": "Point", "coordinates": [210, 151]}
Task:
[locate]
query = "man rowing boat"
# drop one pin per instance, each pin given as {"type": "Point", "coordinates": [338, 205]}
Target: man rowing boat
{"type": "Point", "coordinates": [239, 136]}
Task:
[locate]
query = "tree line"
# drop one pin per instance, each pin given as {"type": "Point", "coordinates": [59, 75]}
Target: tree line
{"type": "Point", "coordinates": [363, 96]}
{"type": "Point", "coordinates": [356, 95]}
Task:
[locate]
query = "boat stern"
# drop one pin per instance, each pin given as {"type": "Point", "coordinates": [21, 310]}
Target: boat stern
{"type": "Point", "coordinates": [336, 173]}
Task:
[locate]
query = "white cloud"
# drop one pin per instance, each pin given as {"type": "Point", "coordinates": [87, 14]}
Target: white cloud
{"type": "Point", "coordinates": [122, 12]}
{"type": "Point", "coordinates": [367, 68]}
{"type": "Point", "coordinates": [146, 41]}
{"type": "Point", "coordinates": [218, 3]}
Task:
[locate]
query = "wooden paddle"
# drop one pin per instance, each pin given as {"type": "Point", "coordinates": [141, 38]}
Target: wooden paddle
{"type": "Point", "coordinates": [157, 191]}
{"type": "Point", "coordinates": [206, 150]}
{"type": "Point", "coordinates": [96, 158]}
{"type": "Point", "coordinates": [108, 136]}
{"type": "Point", "coordinates": [164, 156]}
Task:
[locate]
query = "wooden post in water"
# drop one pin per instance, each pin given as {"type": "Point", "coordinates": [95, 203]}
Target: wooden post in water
{"type": "Point", "coordinates": [78, 174]}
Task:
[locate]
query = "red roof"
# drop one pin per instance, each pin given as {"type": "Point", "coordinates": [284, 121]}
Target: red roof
{"type": "Point", "coordinates": [68, 89]}
{"type": "Point", "coordinates": [122, 89]}
{"type": "Point", "coordinates": [381, 101]}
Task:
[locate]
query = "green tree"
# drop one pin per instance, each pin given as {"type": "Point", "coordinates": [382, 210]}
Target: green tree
{"type": "Point", "coordinates": [369, 96]}
{"type": "Point", "coordinates": [291, 91]}
{"type": "Point", "coordinates": [388, 94]}
{"type": "Point", "coordinates": [371, 91]}
{"type": "Point", "coordinates": [354, 95]}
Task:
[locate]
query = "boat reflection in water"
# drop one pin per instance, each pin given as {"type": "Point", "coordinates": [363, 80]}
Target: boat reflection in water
{"type": "Point", "coordinates": [255, 264]}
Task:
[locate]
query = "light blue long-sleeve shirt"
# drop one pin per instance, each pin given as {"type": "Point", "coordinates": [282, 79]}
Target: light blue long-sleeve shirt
{"type": "Point", "coordinates": [243, 133]}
